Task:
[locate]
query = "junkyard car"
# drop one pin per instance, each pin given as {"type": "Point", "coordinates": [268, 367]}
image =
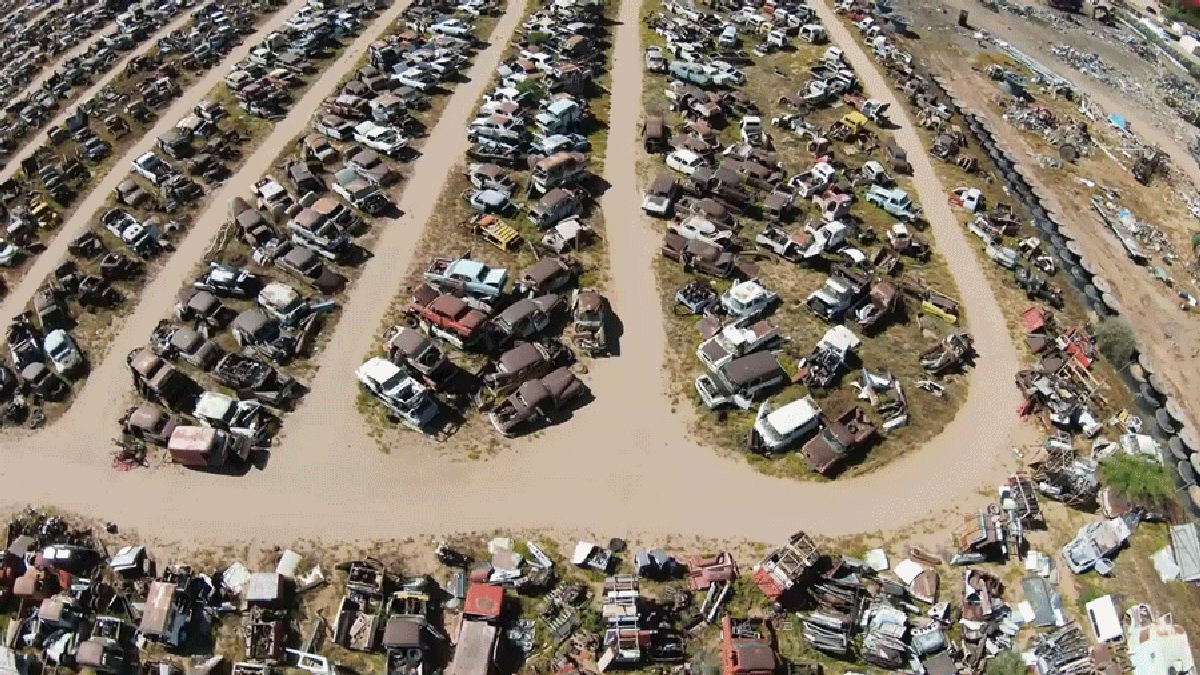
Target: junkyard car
{"type": "Point", "coordinates": [467, 277]}
{"type": "Point", "coordinates": [150, 423]}
{"type": "Point", "coordinates": [527, 317]}
{"type": "Point", "coordinates": [589, 316]}
{"type": "Point", "coordinates": [546, 276]}
{"type": "Point", "coordinates": [307, 266]}
{"type": "Point", "coordinates": [227, 281]}
{"type": "Point", "coordinates": [537, 400]}
{"type": "Point", "coordinates": [408, 399]}
{"type": "Point", "coordinates": [698, 255]}
{"type": "Point", "coordinates": [446, 316]}
{"type": "Point", "coordinates": [184, 342]}
{"type": "Point", "coordinates": [246, 418]}
{"type": "Point", "coordinates": [407, 347]}
{"type": "Point", "coordinates": [63, 353]}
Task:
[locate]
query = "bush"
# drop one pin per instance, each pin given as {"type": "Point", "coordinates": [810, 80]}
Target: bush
{"type": "Point", "coordinates": [1006, 662]}
{"type": "Point", "coordinates": [1141, 480]}
{"type": "Point", "coordinates": [1115, 340]}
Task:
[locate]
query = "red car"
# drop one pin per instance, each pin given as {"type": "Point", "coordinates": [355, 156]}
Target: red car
{"type": "Point", "coordinates": [446, 316]}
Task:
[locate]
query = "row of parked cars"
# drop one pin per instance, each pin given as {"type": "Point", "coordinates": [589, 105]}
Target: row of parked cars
{"type": "Point", "coordinates": [29, 49]}
{"type": "Point", "coordinates": [56, 173]}
{"type": "Point", "coordinates": [216, 375]}
{"type": "Point", "coordinates": [536, 118]}
{"type": "Point", "coordinates": [108, 263]}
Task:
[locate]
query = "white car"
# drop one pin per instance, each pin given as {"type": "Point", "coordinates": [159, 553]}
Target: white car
{"type": "Point", "coordinates": [703, 229]}
{"type": "Point", "coordinates": [8, 253]}
{"type": "Point", "coordinates": [685, 161]}
{"type": "Point", "coordinates": [655, 62]}
{"type": "Point", "coordinates": [247, 418]}
{"type": "Point", "coordinates": [453, 27]}
{"type": "Point", "coordinates": [416, 78]}
{"type": "Point", "coordinates": [64, 355]}
{"type": "Point", "coordinates": [151, 167]}
{"type": "Point", "coordinates": [404, 396]}
{"type": "Point", "coordinates": [726, 74]}
{"type": "Point", "coordinates": [387, 140]}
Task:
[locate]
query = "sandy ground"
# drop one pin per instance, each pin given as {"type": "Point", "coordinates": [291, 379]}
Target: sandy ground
{"type": "Point", "coordinates": [625, 456]}
{"type": "Point", "coordinates": [37, 140]}
{"type": "Point", "coordinates": [1167, 335]}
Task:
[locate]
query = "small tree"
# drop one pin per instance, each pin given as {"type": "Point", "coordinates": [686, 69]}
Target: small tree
{"type": "Point", "coordinates": [1006, 662]}
{"type": "Point", "coordinates": [532, 89]}
{"type": "Point", "coordinates": [1141, 480]}
{"type": "Point", "coordinates": [537, 37]}
{"type": "Point", "coordinates": [1114, 339]}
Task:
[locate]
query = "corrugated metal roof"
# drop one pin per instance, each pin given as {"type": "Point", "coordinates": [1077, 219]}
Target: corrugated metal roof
{"type": "Point", "coordinates": [1185, 541]}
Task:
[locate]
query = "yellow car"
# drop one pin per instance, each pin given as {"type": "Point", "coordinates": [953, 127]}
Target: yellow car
{"type": "Point", "coordinates": [47, 216]}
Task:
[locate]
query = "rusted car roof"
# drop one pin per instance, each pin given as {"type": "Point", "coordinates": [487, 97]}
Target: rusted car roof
{"type": "Point", "coordinates": [250, 321]}
{"type": "Point", "coordinates": [483, 600]}
{"type": "Point", "coordinates": [408, 341]}
{"type": "Point", "coordinates": [448, 305]}
{"type": "Point", "coordinates": [520, 357]}
{"type": "Point", "coordinates": [589, 301]}
{"type": "Point", "coordinates": [190, 438]}
{"type": "Point", "coordinates": [146, 362]}
{"type": "Point", "coordinates": [159, 599]}
{"type": "Point", "coordinates": [543, 270]}
{"type": "Point", "coordinates": [664, 183]}
{"type": "Point", "coordinates": [751, 367]}
{"type": "Point", "coordinates": [145, 417]}
{"type": "Point", "coordinates": [559, 158]}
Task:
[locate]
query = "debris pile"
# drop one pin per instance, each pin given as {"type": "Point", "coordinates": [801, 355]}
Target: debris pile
{"type": "Point", "coordinates": [1071, 137]}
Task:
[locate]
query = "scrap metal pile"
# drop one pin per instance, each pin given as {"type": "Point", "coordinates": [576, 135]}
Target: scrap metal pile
{"type": "Point", "coordinates": [1071, 137]}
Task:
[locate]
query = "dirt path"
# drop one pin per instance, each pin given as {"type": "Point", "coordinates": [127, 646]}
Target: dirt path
{"type": "Point", "coordinates": [51, 65]}
{"type": "Point", "coordinates": [37, 140]}
{"type": "Point", "coordinates": [1166, 334]}
{"type": "Point", "coordinates": [334, 388]}
{"type": "Point", "coordinates": [17, 297]}
{"type": "Point", "coordinates": [1029, 38]}
{"type": "Point", "coordinates": [96, 406]}
{"type": "Point", "coordinates": [622, 465]}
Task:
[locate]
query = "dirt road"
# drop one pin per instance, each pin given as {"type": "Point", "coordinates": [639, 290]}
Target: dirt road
{"type": "Point", "coordinates": [18, 296]}
{"type": "Point", "coordinates": [51, 65]}
{"type": "Point", "coordinates": [621, 466]}
{"type": "Point", "coordinates": [1167, 335]}
{"type": "Point", "coordinates": [96, 405]}
{"type": "Point", "coordinates": [334, 389]}
{"type": "Point", "coordinates": [37, 140]}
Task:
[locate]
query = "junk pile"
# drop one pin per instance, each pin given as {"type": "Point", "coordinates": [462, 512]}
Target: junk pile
{"type": "Point", "coordinates": [1071, 137]}
{"type": "Point", "coordinates": [1088, 64]}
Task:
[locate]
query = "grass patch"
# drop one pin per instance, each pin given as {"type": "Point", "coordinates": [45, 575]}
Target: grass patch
{"type": "Point", "coordinates": [894, 349]}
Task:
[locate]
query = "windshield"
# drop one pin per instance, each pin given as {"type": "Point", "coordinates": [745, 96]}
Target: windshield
{"type": "Point", "coordinates": [58, 348]}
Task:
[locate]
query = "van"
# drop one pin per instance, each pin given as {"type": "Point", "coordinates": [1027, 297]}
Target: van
{"type": "Point", "coordinates": [689, 71]}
